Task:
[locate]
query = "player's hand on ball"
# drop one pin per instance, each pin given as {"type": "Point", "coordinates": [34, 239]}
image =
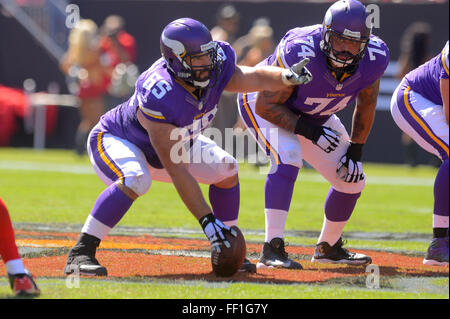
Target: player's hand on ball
{"type": "Point", "coordinates": [350, 168]}
{"type": "Point", "coordinates": [214, 229]}
{"type": "Point", "coordinates": [298, 74]}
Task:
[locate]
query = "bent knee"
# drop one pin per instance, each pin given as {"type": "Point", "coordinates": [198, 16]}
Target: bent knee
{"type": "Point", "coordinates": [139, 184]}
{"type": "Point", "coordinates": [292, 157]}
{"type": "Point", "coordinates": [228, 168]}
{"type": "Point", "coordinates": [349, 188]}
{"type": "Point", "coordinates": [228, 182]}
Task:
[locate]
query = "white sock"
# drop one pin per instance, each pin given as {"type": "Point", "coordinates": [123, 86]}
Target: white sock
{"type": "Point", "coordinates": [331, 231]}
{"type": "Point", "coordinates": [440, 221]}
{"type": "Point", "coordinates": [275, 223]}
{"type": "Point", "coordinates": [15, 266]}
{"type": "Point", "coordinates": [95, 228]}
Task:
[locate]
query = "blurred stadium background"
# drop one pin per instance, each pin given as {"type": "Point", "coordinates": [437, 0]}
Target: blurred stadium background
{"type": "Point", "coordinates": [33, 38]}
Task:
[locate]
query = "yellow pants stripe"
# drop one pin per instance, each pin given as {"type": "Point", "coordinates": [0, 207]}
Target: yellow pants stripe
{"type": "Point", "coordinates": [255, 126]}
{"type": "Point", "coordinates": [420, 122]}
{"type": "Point", "coordinates": [106, 159]}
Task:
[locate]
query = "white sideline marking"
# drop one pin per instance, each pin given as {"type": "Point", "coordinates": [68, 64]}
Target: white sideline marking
{"type": "Point", "coordinates": [303, 176]}
{"type": "Point", "coordinates": [47, 167]}
{"type": "Point", "coordinates": [177, 231]}
{"type": "Point", "coordinates": [374, 180]}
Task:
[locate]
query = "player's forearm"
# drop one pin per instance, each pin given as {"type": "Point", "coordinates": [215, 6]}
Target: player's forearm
{"type": "Point", "coordinates": [278, 115]}
{"type": "Point", "coordinates": [364, 113]}
{"type": "Point", "coordinates": [189, 191]}
{"type": "Point", "coordinates": [270, 106]}
{"type": "Point", "coordinates": [362, 125]}
{"type": "Point", "coordinates": [186, 185]}
{"type": "Point", "coordinates": [446, 112]}
{"type": "Point", "coordinates": [252, 79]}
{"type": "Point", "coordinates": [268, 78]}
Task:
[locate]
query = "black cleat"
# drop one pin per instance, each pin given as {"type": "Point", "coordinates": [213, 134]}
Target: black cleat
{"type": "Point", "coordinates": [247, 266]}
{"type": "Point", "coordinates": [437, 253]}
{"type": "Point", "coordinates": [274, 255]}
{"type": "Point", "coordinates": [81, 259]}
{"type": "Point", "coordinates": [324, 253]}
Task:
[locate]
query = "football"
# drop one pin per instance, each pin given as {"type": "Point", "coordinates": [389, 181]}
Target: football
{"type": "Point", "coordinates": [228, 261]}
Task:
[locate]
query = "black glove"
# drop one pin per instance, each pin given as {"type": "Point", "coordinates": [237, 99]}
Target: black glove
{"type": "Point", "coordinates": [214, 229]}
{"type": "Point", "coordinates": [324, 137]}
{"type": "Point", "coordinates": [350, 167]}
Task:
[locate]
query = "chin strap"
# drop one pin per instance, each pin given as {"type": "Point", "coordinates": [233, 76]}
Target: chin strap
{"type": "Point", "coordinates": [200, 84]}
{"type": "Point", "coordinates": [339, 72]}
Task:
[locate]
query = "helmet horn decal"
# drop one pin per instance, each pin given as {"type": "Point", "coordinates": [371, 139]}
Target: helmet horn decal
{"type": "Point", "coordinates": [177, 47]}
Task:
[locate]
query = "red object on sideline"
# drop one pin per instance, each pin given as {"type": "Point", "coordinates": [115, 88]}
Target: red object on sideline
{"type": "Point", "coordinates": [13, 105]}
{"type": "Point", "coordinates": [8, 247]}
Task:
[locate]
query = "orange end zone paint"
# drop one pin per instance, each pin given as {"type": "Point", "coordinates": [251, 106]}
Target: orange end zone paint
{"type": "Point", "coordinates": [124, 256]}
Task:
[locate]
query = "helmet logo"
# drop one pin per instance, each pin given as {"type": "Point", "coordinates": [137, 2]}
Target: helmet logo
{"type": "Point", "coordinates": [176, 46]}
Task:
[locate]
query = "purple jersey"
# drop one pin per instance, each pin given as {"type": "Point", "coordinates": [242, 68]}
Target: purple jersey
{"type": "Point", "coordinates": [325, 95]}
{"type": "Point", "coordinates": [426, 78]}
{"type": "Point", "coordinates": [162, 99]}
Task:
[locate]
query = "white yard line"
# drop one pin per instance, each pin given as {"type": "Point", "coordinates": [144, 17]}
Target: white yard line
{"type": "Point", "coordinates": [303, 176]}
{"type": "Point", "coordinates": [177, 232]}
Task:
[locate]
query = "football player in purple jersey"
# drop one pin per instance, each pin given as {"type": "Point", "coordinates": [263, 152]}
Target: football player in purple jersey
{"type": "Point", "coordinates": [139, 140]}
{"type": "Point", "coordinates": [346, 62]}
{"type": "Point", "coordinates": [419, 106]}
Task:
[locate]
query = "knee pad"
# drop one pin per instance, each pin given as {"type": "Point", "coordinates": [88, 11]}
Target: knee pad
{"type": "Point", "coordinates": [140, 184]}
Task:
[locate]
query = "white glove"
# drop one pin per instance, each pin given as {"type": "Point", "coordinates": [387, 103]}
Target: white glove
{"type": "Point", "coordinates": [324, 137]}
{"type": "Point", "coordinates": [297, 74]}
{"type": "Point", "coordinates": [214, 229]}
{"type": "Point", "coordinates": [350, 168]}
{"type": "Point", "coordinates": [328, 139]}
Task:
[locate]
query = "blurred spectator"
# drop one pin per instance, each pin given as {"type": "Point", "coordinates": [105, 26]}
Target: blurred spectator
{"type": "Point", "coordinates": [260, 37]}
{"type": "Point", "coordinates": [116, 43]}
{"type": "Point", "coordinates": [253, 47]}
{"type": "Point", "coordinates": [119, 51]}
{"type": "Point", "coordinates": [228, 20]}
{"type": "Point", "coordinates": [415, 50]}
{"type": "Point", "coordinates": [89, 78]}
{"type": "Point", "coordinates": [260, 45]}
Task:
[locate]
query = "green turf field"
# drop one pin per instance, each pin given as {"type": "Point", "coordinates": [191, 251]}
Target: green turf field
{"type": "Point", "coordinates": [394, 213]}
{"type": "Point", "coordinates": [58, 187]}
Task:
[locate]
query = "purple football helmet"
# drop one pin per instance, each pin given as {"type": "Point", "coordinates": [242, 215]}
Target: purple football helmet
{"type": "Point", "coordinates": [180, 41]}
{"type": "Point", "coordinates": [345, 21]}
